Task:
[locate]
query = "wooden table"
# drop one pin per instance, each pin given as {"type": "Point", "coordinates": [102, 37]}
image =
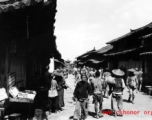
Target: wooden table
{"type": "Point", "coordinates": [22, 100]}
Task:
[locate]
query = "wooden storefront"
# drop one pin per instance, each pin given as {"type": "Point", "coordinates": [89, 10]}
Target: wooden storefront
{"type": "Point", "coordinates": [27, 41]}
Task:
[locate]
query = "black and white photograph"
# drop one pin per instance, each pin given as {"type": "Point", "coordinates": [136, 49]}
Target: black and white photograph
{"type": "Point", "coordinates": [75, 59]}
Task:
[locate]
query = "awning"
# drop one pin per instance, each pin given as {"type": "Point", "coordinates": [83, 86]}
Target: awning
{"type": "Point", "coordinates": [56, 60]}
{"type": "Point", "coordinates": [146, 36]}
{"type": "Point", "coordinates": [85, 56]}
{"type": "Point", "coordinates": [94, 61]}
{"type": "Point", "coordinates": [10, 5]}
{"type": "Point", "coordinates": [146, 53]}
{"type": "Point", "coordinates": [121, 52]}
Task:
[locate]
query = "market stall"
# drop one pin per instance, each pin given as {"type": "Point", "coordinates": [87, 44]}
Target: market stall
{"type": "Point", "coordinates": [12, 100]}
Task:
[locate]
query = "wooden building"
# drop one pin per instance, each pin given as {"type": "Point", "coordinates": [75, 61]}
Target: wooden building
{"type": "Point", "coordinates": [146, 55]}
{"type": "Point", "coordinates": [27, 40]}
{"type": "Point", "coordinates": [99, 56]}
{"type": "Point", "coordinates": [95, 58]}
{"type": "Point", "coordinates": [126, 49]}
{"type": "Point", "coordinates": [81, 59]}
{"type": "Point", "coordinates": [132, 51]}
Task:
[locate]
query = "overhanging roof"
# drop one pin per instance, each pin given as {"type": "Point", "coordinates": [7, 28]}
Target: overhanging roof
{"type": "Point", "coordinates": [56, 60]}
{"type": "Point", "coordinates": [104, 49]}
{"type": "Point", "coordinates": [10, 5]}
{"type": "Point", "coordinates": [130, 33]}
{"type": "Point", "coordinates": [146, 53]}
{"type": "Point", "coordinates": [121, 52]}
{"type": "Point", "coordinates": [146, 36]}
{"type": "Point", "coordinates": [85, 54]}
{"type": "Point", "coordinates": [94, 61]}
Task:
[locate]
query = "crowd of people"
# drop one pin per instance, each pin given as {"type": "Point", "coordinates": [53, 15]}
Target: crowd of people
{"type": "Point", "coordinates": [56, 90]}
{"type": "Point", "coordinates": [103, 83]}
{"type": "Point", "coordinates": [50, 93]}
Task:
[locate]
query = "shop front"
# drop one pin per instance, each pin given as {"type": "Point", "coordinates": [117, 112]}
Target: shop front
{"type": "Point", "coordinates": [27, 43]}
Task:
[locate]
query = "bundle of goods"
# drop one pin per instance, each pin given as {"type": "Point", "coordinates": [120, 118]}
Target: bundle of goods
{"type": "Point", "coordinates": [3, 94]}
{"type": "Point", "coordinates": [110, 80]}
{"type": "Point", "coordinates": [27, 94]}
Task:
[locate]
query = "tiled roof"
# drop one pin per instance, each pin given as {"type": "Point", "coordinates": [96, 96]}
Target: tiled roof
{"type": "Point", "coordinates": [86, 54]}
{"type": "Point", "coordinates": [94, 61]}
{"type": "Point", "coordinates": [120, 52]}
{"type": "Point", "coordinates": [9, 5]}
{"type": "Point", "coordinates": [130, 33]}
{"type": "Point", "coordinates": [146, 53]}
{"type": "Point", "coordinates": [146, 36]}
{"type": "Point", "coordinates": [104, 49]}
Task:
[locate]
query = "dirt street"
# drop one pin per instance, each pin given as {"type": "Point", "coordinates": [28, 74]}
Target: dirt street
{"type": "Point", "coordinates": [142, 109]}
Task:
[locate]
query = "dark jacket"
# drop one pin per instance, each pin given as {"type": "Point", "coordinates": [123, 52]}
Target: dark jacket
{"type": "Point", "coordinates": [82, 90]}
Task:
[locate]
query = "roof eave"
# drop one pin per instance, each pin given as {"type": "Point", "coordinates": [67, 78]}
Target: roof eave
{"type": "Point", "coordinates": [130, 33]}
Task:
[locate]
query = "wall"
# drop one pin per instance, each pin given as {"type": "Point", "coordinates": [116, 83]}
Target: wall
{"type": "Point", "coordinates": [130, 64]}
{"type": "Point", "coordinates": [17, 60]}
{"type": "Point", "coordinates": [148, 70]}
{"type": "Point", "coordinates": [3, 62]}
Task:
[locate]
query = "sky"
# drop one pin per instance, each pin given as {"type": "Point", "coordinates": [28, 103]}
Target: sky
{"type": "Point", "coordinates": [82, 25]}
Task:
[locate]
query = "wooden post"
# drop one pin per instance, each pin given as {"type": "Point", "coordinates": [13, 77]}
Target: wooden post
{"type": "Point", "coordinates": [7, 64]}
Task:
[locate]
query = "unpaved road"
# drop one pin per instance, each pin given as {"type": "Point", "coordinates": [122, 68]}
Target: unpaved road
{"type": "Point", "coordinates": [143, 104]}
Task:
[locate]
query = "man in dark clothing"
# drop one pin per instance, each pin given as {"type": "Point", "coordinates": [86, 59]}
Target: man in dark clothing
{"type": "Point", "coordinates": [82, 93]}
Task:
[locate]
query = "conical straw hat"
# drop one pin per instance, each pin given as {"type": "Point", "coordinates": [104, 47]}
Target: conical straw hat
{"type": "Point", "coordinates": [118, 72]}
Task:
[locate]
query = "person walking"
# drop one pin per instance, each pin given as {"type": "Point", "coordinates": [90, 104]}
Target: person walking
{"type": "Point", "coordinates": [61, 86]}
{"type": "Point", "coordinates": [82, 94]}
{"type": "Point", "coordinates": [140, 79]}
{"type": "Point", "coordinates": [77, 77]}
{"type": "Point", "coordinates": [139, 75]}
{"type": "Point", "coordinates": [117, 93]}
{"type": "Point", "coordinates": [106, 78]}
{"type": "Point", "coordinates": [131, 83]}
{"type": "Point", "coordinates": [91, 77]}
{"type": "Point", "coordinates": [97, 85]}
{"type": "Point", "coordinates": [64, 86]}
{"type": "Point", "coordinates": [123, 68]}
{"type": "Point", "coordinates": [110, 83]}
{"type": "Point", "coordinates": [136, 73]}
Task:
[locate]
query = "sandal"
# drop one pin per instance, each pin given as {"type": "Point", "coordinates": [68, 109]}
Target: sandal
{"type": "Point", "coordinates": [96, 116]}
{"type": "Point", "coordinates": [120, 115]}
{"type": "Point", "coordinates": [100, 115]}
{"type": "Point", "coordinates": [115, 113]}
